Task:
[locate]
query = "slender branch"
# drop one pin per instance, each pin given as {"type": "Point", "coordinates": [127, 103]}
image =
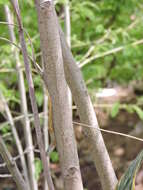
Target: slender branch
{"type": "Point", "coordinates": [19, 156]}
{"type": "Point", "coordinates": [67, 27]}
{"type": "Point", "coordinates": [31, 118]}
{"type": "Point", "coordinates": [110, 131]}
{"type": "Point", "coordinates": [14, 44]}
{"type": "Point", "coordinates": [9, 41]}
{"type": "Point", "coordinates": [17, 139]}
{"type": "Point", "coordinates": [87, 54]}
{"type": "Point", "coordinates": [12, 167]}
{"type": "Point", "coordinates": [100, 106]}
{"type": "Point", "coordinates": [67, 23]}
{"type": "Point", "coordinates": [45, 127]}
{"type": "Point", "coordinates": [83, 125]}
{"type": "Point", "coordinates": [87, 115]}
{"type": "Point", "coordinates": [32, 97]}
{"type": "Point", "coordinates": [109, 52]}
{"type": "Point", "coordinates": [85, 62]}
{"type": "Point", "coordinates": [26, 122]}
{"type": "Point", "coordinates": [33, 58]}
{"type": "Point", "coordinates": [5, 176]}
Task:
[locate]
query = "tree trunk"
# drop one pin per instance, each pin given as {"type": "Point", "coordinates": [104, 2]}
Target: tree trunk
{"type": "Point", "coordinates": [87, 115]}
{"type": "Point", "coordinates": [57, 87]}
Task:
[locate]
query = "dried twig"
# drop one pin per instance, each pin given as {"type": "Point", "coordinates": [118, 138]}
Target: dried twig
{"type": "Point", "coordinates": [109, 131]}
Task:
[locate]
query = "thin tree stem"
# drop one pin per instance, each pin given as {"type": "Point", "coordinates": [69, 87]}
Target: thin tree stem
{"type": "Point", "coordinates": [68, 36]}
{"type": "Point", "coordinates": [17, 139]}
{"type": "Point", "coordinates": [67, 23]}
{"type": "Point", "coordinates": [45, 128]}
{"type": "Point", "coordinates": [26, 122]}
{"type": "Point", "coordinates": [87, 115]}
{"type": "Point", "coordinates": [32, 97]}
{"type": "Point", "coordinates": [12, 167]}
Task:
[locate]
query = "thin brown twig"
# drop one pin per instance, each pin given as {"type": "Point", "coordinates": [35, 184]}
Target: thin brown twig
{"type": "Point", "coordinates": [109, 131]}
{"type": "Point", "coordinates": [78, 123]}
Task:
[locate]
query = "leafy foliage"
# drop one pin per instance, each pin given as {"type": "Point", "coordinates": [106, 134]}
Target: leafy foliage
{"type": "Point", "coordinates": [109, 24]}
{"type": "Point", "coordinates": [131, 108]}
{"type": "Point", "coordinates": [115, 109]}
{"type": "Point", "coordinates": [117, 23]}
{"type": "Point", "coordinates": [128, 180]}
{"type": "Point", "coordinates": [4, 1]}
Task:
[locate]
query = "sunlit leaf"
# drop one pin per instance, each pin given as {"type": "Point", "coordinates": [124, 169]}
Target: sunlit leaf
{"type": "Point", "coordinates": [139, 111]}
{"type": "Point", "coordinates": [54, 156]}
{"type": "Point", "coordinates": [115, 109]}
{"type": "Point", "coordinates": [4, 1]}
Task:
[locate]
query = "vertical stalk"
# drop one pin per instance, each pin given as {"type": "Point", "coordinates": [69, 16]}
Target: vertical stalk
{"type": "Point", "coordinates": [12, 167]}
{"type": "Point", "coordinates": [17, 140]}
{"type": "Point", "coordinates": [45, 128]}
{"type": "Point", "coordinates": [67, 23]}
{"type": "Point", "coordinates": [57, 88]}
{"type": "Point", "coordinates": [87, 115]}
{"type": "Point", "coordinates": [39, 136]}
{"type": "Point", "coordinates": [68, 35]}
{"type": "Point", "coordinates": [24, 110]}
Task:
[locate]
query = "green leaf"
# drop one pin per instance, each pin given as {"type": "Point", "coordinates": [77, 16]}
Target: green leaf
{"type": "Point", "coordinates": [129, 108]}
{"type": "Point", "coordinates": [4, 1]}
{"type": "Point", "coordinates": [115, 109]}
{"type": "Point", "coordinates": [99, 29]}
{"type": "Point", "coordinates": [39, 167]}
{"type": "Point", "coordinates": [139, 111]}
{"type": "Point", "coordinates": [39, 98]}
{"type": "Point", "coordinates": [54, 156]}
{"type": "Point", "coordinates": [5, 129]}
{"type": "Point", "coordinates": [127, 181]}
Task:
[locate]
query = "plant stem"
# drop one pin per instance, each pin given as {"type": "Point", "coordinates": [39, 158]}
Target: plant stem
{"type": "Point", "coordinates": [26, 122]}
{"type": "Point", "coordinates": [46, 167]}
{"type": "Point", "coordinates": [87, 115]}
{"type": "Point", "coordinates": [17, 140]}
{"type": "Point", "coordinates": [57, 88]}
{"type": "Point", "coordinates": [12, 167]}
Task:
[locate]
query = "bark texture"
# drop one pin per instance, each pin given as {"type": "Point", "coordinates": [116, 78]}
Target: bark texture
{"type": "Point", "coordinates": [57, 87]}
{"type": "Point", "coordinates": [87, 115]}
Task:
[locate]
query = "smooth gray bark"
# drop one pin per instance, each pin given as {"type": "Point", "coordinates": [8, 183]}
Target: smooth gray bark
{"type": "Point", "coordinates": [57, 88]}
{"type": "Point", "coordinates": [87, 115]}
